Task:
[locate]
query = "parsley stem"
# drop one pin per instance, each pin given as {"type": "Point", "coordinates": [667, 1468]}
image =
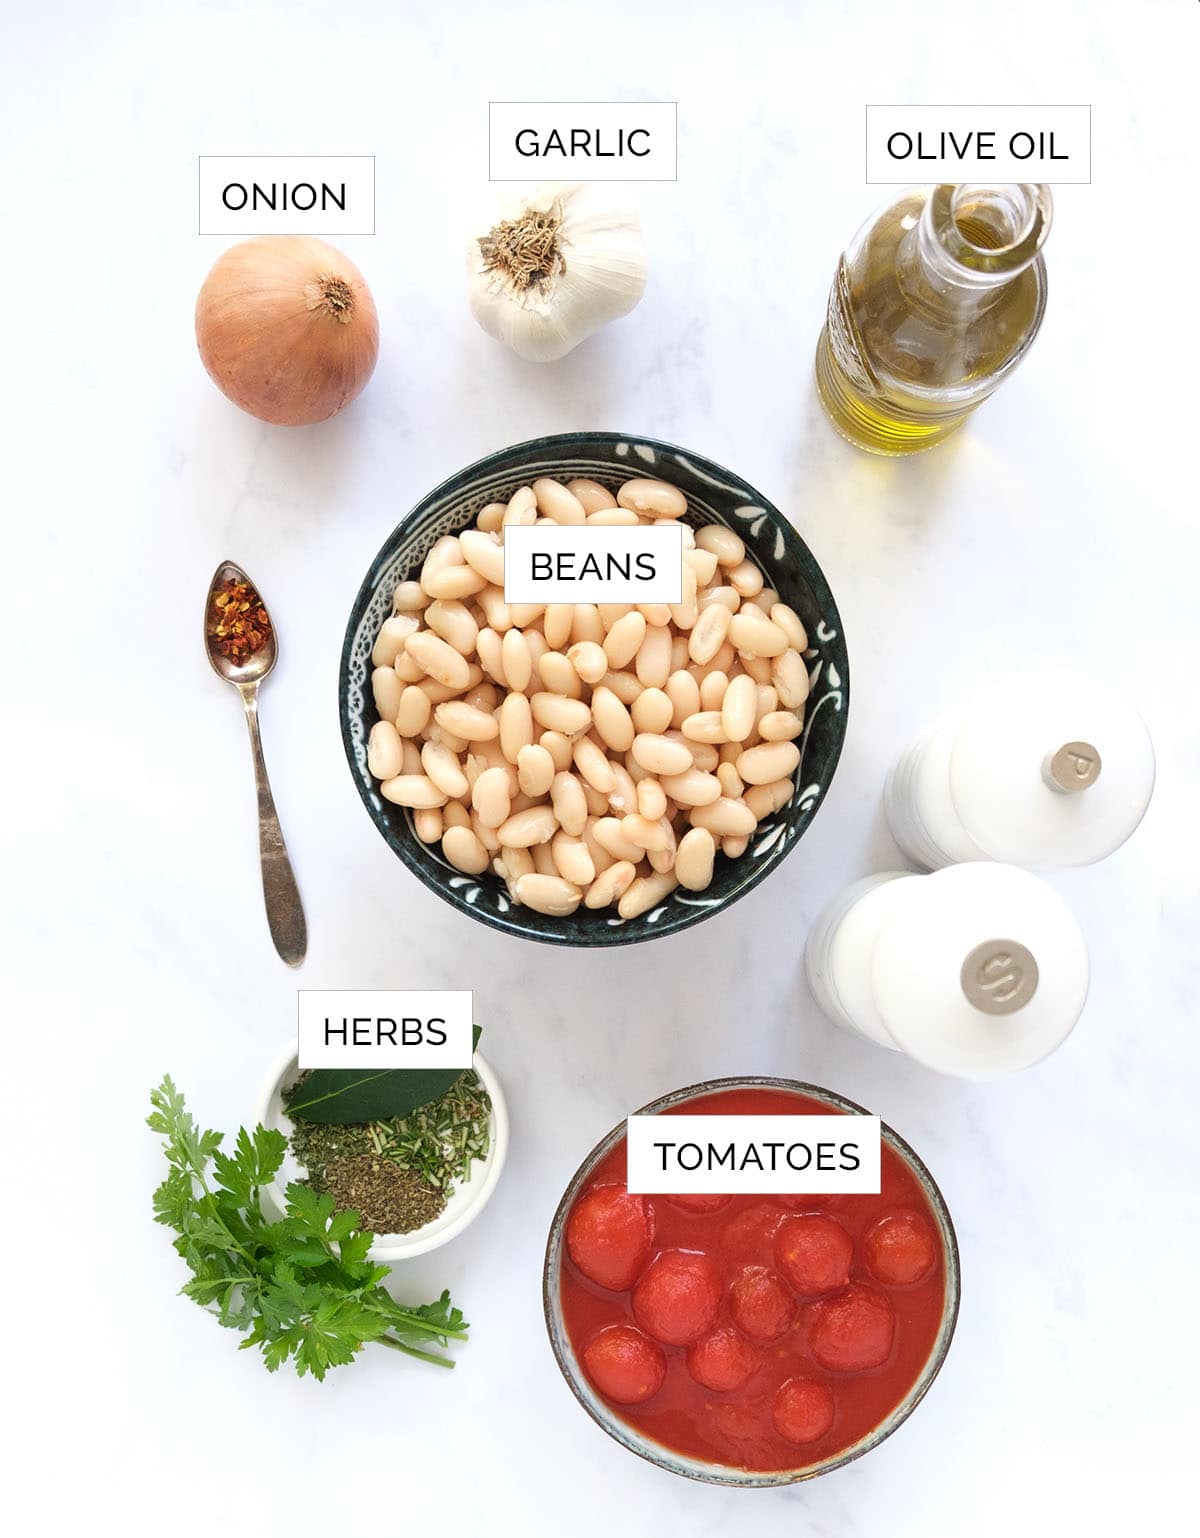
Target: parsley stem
{"type": "Point", "coordinates": [425, 1356]}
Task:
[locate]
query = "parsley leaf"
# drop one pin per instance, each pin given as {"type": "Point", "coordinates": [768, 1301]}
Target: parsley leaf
{"type": "Point", "coordinates": [302, 1289]}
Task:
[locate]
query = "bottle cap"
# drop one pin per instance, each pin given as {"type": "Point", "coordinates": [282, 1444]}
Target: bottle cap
{"type": "Point", "coordinates": [1050, 769]}
{"type": "Point", "coordinates": [982, 971]}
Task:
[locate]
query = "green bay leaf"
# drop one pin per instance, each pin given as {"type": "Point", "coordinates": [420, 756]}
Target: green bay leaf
{"type": "Point", "coordinates": [341, 1097]}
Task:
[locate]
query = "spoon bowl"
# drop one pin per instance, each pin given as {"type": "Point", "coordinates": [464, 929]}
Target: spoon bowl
{"type": "Point", "coordinates": [259, 663]}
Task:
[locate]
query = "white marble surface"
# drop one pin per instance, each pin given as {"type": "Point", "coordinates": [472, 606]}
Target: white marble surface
{"type": "Point", "coordinates": [1060, 524]}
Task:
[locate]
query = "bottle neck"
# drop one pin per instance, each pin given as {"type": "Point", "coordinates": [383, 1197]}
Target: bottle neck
{"type": "Point", "coordinates": [970, 241]}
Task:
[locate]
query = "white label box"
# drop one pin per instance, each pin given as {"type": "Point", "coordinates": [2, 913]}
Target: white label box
{"type": "Point", "coordinates": [582, 141]}
{"type": "Point", "coordinates": [385, 1028]}
{"type": "Point", "coordinates": [979, 144]}
{"type": "Point", "coordinates": [287, 194]}
{"type": "Point", "coordinates": [593, 563]}
{"type": "Point", "coordinates": [753, 1155]}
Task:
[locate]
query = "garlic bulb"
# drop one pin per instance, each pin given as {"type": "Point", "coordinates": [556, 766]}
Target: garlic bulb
{"type": "Point", "coordinates": [559, 264]}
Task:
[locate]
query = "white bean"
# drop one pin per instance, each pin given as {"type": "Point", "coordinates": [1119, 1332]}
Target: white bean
{"type": "Point", "coordinates": [651, 799]}
{"type": "Point", "coordinates": [708, 633]}
{"type": "Point", "coordinates": [386, 690]}
{"type": "Point", "coordinates": [652, 663]}
{"type": "Point", "coordinates": [593, 765]}
{"type": "Point", "coordinates": [658, 499]}
{"type": "Point", "coordinates": [768, 762]}
{"type": "Point", "coordinates": [652, 711]}
{"type": "Point", "coordinates": [791, 624]}
{"type": "Point", "coordinates": [712, 690]}
{"type": "Point", "coordinates": [642, 894]}
{"type": "Point", "coordinates": [692, 788]}
{"type": "Point", "coordinates": [722, 542]}
{"type": "Point", "coordinates": [592, 497]}
{"type": "Point", "coordinates": [694, 859]}
{"type": "Point", "coordinates": [484, 554]}
{"type": "Point", "coordinates": [705, 726]}
{"type": "Point", "coordinates": [608, 833]}
{"type": "Point", "coordinates": [409, 598]}
{"type": "Point", "coordinates": [414, 790]}
{"type": "Point", "coordinates": [645, 834]}
{"type": "Point", "coordinates": [780, 726]}
{"type": "Point", "coordinates": [439, 659]}
{"type": "Point", "coordinates": [560, 715]}
{"type": "Point", "coordinates": [684, 693]}
{"type": "Point", "coordinates": [558, 502]}
{"type": "Point", "coordinates": [746, 578]}
{"type": "Point", "coordinates": [515, 660]}
{"type": "Point", "coordinates": [623, 640]}
{"type": "Point", "coordinates": [557, 675]}
{"type": "Point", "coordinates": [489, 648]}
{"type": "Point", "coordinates": [535, 770]}
{"type": "Point", "coordinates": [468, 722]}
{"type": "Point", "coordinates": [610, 884]}
{"type": "Point", "coordinates": [443, 768]}
{"type": "Point", "coordinates": [569, 803]}
{"type": "Point", "coordinates": [660, 755]}
{"type": "Point", "coordinates": [454, 622]}
{"type": "Point", "coordinates": [491, 798]}
{"type": "Point", "coordinates": [454, 582]}
{"type": "Point", "coordinates": [464, 851]}
{"type": "Point", "coordinates": [738, 706]}
{"type": "Point", "coordinates": [515, 726]}
{"type": "Point", "coordinates": [547, 894]}
{"type": "Point", "coordinates": [790, 677]}
{"type": "Point", "coordinates": [751, 632]}
{"type": "Point", "coordinates": [393, 633]}
{"type": "Point", "coordinates": [535, 825]}
{"type": "Point", "coordinates": [559, 748]}
{"type": "Point", "coordinates": [522, 508]}
{"type": "Point", "coordinates": [385, 751]}
{"type": "Point", "coordinates": [428, 824]}
{"type": "Point", "coordinates": [724, 816]}
{"type": "Point", "coordinates": [589, 661]}
{"type": "Point", "coordinates": [572, 859]}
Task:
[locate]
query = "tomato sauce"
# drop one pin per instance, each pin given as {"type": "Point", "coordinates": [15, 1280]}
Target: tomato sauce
{"type": "Point", "coordinates": [716, 1291]}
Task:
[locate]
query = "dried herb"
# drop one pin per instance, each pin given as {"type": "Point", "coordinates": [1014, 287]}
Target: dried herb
{"type": "Point", "coordinates": [388, 1199]}
{"type": "Point", "coordinates": [442, 1139]}
{"type": "Point", "coordinates": [238, 624]}
{"type": "Point", "coordinates": [435, 1145]}
{"type": "Point", "coordinates": [301, 1289]}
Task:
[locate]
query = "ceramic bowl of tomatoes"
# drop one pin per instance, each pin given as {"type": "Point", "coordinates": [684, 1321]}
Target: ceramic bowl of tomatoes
{"type": "Point", "coordinates": [750, 1340]}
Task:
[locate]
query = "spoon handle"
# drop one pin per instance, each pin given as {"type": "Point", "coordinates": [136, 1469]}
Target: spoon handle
{"type": "Point", "coordinates": [285, 913]}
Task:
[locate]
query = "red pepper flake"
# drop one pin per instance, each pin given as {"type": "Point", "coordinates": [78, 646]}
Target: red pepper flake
{"type": "Point", "coordinates": [238, 624]}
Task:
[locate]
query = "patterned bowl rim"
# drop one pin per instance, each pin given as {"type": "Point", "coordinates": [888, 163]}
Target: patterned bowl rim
{"type": "Point", "coordinates": [667, 1458]}
{"type": "Point", "coordinates": [562, 445]}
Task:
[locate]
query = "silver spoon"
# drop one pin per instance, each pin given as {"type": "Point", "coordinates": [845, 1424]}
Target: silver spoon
{"type": "Point", "coordinates": [285, 914]}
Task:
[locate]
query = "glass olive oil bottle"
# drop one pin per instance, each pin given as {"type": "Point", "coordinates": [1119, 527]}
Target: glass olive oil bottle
{"type": "Point", "coordinates": [936, 300]}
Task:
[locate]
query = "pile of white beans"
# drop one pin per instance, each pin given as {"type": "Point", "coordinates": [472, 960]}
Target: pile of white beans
{"type": "Point", "coordinates": [588, 753]}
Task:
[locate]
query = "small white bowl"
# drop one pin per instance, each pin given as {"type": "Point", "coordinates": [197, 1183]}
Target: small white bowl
{"type": "Point", "coordinates": [469, 1198]}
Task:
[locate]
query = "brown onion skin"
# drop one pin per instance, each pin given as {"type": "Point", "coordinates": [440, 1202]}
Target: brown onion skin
{"type": "Point", "coordinates": [264, 344]}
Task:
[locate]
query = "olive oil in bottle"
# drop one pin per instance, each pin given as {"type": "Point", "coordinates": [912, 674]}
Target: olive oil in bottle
{"type": "Point", "coordinates": [935, 302]}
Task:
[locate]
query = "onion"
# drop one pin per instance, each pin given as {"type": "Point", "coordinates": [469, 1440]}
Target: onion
{"type": "Point", "coordinates": [287, 329]}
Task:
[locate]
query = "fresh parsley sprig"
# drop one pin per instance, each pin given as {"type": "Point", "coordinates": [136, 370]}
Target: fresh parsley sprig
{"type": "Point", "coordinates": [284, 1285]}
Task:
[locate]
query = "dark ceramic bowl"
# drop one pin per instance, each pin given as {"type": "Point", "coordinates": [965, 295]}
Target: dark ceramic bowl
{"type": "Point", "coordinates": [714, 496]}
{"type": "Point", "coordinates": [629, 1436]}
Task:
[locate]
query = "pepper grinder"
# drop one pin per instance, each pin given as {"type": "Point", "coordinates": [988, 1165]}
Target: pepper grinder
{"type": "Point", "coordinates": [1041, 770]}
{"type": "Point", "coordinates": [976, 971]}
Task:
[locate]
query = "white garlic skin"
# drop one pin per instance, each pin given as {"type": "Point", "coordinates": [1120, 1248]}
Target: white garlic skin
{"type": "Point", "coordinates": [603, 278]}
